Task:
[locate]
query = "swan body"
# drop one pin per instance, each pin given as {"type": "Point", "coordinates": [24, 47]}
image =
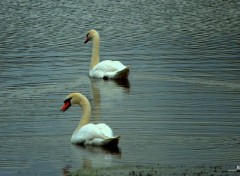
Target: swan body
{"type": "Point", "coordinates": [107, 69]}
{"type": "Point", "coordinates": [88, 133]}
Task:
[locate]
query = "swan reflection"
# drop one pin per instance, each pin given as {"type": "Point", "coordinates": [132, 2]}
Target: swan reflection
{"type": "Point", "coordinates": [92, 157]}
{"type": "Point", "coordinates": [96, 156]}
{"type": "Point", "coordinates": [109, 87]}
{"type": "Point", "coordinates": [113, 150]}
{"type": "Point", "coordinates": [124, 83]}
{"type": "Point", "coordinates": [66, 170]}
{"type": "Point", "coordinates": [104, 91]}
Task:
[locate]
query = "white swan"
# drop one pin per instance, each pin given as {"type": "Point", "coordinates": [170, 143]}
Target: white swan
{"type": "Point", "coordinates": [87, 133]}
{"type": "Point", "coordinates": [105, 69]}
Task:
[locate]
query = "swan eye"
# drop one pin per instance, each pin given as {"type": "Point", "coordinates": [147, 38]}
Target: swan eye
{"type": "Point", "coordinates": [67, 100]}
{"type": "Point", "coordinates": [87, 39]}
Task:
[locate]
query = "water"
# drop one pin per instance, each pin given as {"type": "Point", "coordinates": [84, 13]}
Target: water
{"type": "Point", "coordinates": [180, 106]}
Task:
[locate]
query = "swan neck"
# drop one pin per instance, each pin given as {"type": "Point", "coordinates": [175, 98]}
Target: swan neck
{"type": "Point", "coordinates": [86, 113]}
{"type": "Point", "coordinates": [95, 51]}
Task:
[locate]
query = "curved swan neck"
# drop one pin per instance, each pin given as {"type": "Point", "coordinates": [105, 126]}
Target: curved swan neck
{"type": "Point", "coordinates": [86, 112]}
{"type": "Point", "coordinates": [95, 50]}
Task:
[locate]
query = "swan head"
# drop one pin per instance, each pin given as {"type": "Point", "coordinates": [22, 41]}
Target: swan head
{"type": "Point", "coordinates": [73, 98]}
{"type": "Point", "coordinates": [90, 35]}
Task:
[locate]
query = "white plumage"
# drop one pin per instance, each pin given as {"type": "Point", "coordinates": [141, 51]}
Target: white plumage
{"type": "Point", "coordinates": [92, 134]}
{"type": "Point", "coordinates": [88, 133]}
{"type": "Point", "coordinates": [107, 69]}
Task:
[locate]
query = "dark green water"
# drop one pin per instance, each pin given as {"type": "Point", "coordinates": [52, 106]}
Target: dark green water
{"type": "Point", "coordinates": [180, 106]}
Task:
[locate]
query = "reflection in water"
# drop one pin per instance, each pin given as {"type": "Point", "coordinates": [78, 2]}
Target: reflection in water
{"type": "Point", "coordinates": [96, 100]}
{"type": "Point", "coordinates": [112, 150]}
{"type": "Point", "coordinates": [101, 155]}
{"type": "Point", "coordinates": [106, 88]}
{"type": "Point", "coordinates": [184, 82]}
{"type": "Point", "coordinates": [66, 170]}
{"type": "Point", "coordinates": [97, 156]}
{"type": "Point", "coordinates": [122, 83]}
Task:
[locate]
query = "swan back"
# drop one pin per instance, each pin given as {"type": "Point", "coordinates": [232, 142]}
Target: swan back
{"type": "Point", "coordinates": [109, 69]}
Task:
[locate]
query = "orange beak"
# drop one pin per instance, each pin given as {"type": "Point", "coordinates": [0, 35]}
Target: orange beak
{"type": "Point", "coordinates": [66, 105]}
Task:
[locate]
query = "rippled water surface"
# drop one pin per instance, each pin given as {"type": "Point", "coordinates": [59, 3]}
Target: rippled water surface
{"type": "Point", "coordinates": [181, 104]}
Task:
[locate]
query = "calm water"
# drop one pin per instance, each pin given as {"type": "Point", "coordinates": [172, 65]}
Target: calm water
{"type": "Point", "coordinates": [180, 106]}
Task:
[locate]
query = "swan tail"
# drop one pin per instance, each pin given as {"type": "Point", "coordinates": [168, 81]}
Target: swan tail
{"type": "Point", "coordinates": [123, 74]}
{"type": "Point", "coordinates": [112, 141]}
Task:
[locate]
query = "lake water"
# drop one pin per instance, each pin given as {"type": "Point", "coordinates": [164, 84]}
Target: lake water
{"type": "Point", "coordinates": [181, 104]}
